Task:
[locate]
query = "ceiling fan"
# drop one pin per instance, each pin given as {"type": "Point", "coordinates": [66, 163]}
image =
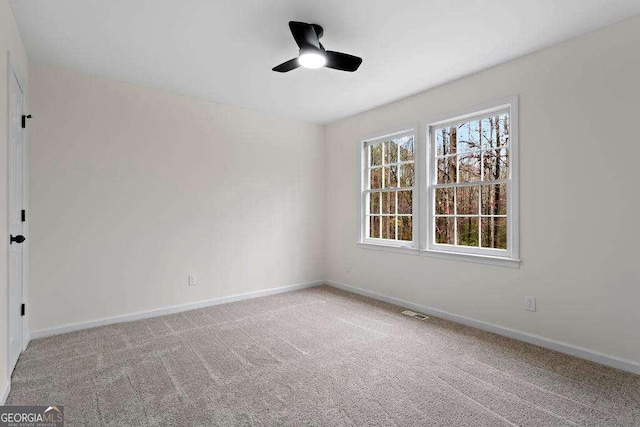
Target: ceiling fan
{"type": "Point", "coordinates": [312, 53]}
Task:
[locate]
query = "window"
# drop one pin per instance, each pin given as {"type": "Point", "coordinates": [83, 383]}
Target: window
{"type": "Point", "coordinates": [388, 189]}
{"type": "Point", "coordinates": [472, 193]}
{"type": "Point", "coordinates": [451, 194]}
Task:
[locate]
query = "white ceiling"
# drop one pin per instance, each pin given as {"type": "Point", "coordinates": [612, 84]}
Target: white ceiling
{"type": "Point", "coordinates": [224, 50]}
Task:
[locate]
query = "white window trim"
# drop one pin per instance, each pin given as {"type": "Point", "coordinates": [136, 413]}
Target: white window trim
{"type": "Point", "coordinates": [422, 195]}
{"type": "Point", "coordinates": [394, 245]}
{"type": "Point", "coordinates": [513, 245]}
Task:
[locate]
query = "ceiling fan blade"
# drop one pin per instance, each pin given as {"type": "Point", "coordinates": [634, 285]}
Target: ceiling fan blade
{"type": "Point", "coordinates": [291, 64]}
{"type": "Point", "coordinates": [342, 61]}
{"type": "Point", "coordinates": [304, 34]}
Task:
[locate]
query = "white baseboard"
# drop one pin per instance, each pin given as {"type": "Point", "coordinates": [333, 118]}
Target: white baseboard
{"type": "Point", "coordinates": [169, 310]}
{"type": "Point", "coordinates": [26, 337]}
{"type": "Point", "coordinates": [5, 393]}
{"type": "Point", "coordinates": [562, 347]}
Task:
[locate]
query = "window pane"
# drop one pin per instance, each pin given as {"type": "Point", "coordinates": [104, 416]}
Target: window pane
{"type": "Point", "coordinates": [446, 141]}
{"type": "Point", "coordinates": [374, 227]}
{"type": "Point", "coordinates": [485, 133]}
{"type": "Point", "coordinates": [390, 152]}
{"type": "Point", "coordinates": [470, 167]}
{"type": "Point", "coordinates": [494, 232]}
{"type": "Point", "coordinates": [467, 231]}
{"type": "Point", "coordinates": [405, 202]}
{"type": "Point", "coordinates": [376, 178]}
{"type": "Point", "coordinates": [496, 164]}
{"type": "Point", "coordinates": [374, 203]}
{"type": "Point", "coordinates": [494, 199]}
{"type": "Point", "coordinates": [405, 228]}
{"type": "Point", "coordinates": [447, 170]}
{"type": "Point", "coordinates": [444, 201]}
{"type": "Point", "coordinates": [444, 230]}
{"type": "Point", "coordinates": [389, 203]}
{"type": "Point", "coordinates": [406, 149]}
{"type": "Point", "coordinates": [390, 176]}
{"type": "Point", "coordinates": [407, 178]}
{"type": "Point", "coordinates": [376, 154]}
{"type": "Point", "coordinates": [467, 200]}
{"type": "Point", "coordinates": [499, 136]}
{"type": "Point", "coordinates": [388, 227]}
{"type": "Point", "coordinates": [471, 135]}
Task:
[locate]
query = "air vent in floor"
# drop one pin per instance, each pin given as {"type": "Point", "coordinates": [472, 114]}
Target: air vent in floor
{"type": "Point", "coordinates": [415, 315]}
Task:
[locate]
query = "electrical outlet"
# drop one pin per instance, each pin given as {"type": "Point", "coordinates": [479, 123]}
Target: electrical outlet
{"type": "Point", "coordinates": [192, 280]}
{"type": "Point", "coordinates": [348, 268]}
{"type": "Point", "coordinates": [530, 303]}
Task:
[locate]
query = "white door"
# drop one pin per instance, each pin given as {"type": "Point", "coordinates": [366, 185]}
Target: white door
{"type": "Point", "coordinates": [16, 224]}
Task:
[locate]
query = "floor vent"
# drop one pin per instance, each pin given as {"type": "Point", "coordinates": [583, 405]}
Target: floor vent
{"type": "Point", "coordinates": [415, 315]}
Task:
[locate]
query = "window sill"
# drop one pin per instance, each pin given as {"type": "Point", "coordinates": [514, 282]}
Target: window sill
{"type": "Point", "coordinates": [454, 256]}
{"type": "Point", "coordinates": [474, 258]}
{"type": "Point", "coordinates": [390, 248]}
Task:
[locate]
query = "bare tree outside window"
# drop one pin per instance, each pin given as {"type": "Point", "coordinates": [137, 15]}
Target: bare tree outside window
{"type": "Point", "coordinates": [471, 183]}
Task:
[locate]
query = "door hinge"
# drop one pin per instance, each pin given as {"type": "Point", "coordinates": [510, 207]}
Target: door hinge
{"type": "Point", "coordinates": [22, 310]}
{"type": "Point", "coordinates": [23, 215]}
{"type": "Point", "coordinates": [24, 120]}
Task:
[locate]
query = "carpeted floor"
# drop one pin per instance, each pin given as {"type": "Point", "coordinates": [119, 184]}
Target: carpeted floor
{"type": "Point", "coordinates": [317, 357]}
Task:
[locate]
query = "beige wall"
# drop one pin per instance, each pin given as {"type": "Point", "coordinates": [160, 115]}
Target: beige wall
{"type": "Point", "coordinates": [579, 160]}
{"type": "Point", "coordinates": [132, 189]}
{"type": "Point", "coordinates": [9, 42]}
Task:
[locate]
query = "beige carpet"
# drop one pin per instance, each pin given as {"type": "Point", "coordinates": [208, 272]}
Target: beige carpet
{"type": "Point", "coordinates": [315, 357]}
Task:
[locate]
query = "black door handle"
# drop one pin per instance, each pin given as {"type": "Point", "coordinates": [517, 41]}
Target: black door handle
{"type": "Point", "coordinates": [18, 239]}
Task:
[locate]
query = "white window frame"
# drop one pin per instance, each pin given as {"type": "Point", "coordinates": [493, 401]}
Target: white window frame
{"type": "Point", "coordinates": [388, 244]}
{"type": "Point", "coordinates": [510, 256]}
{"type": "Point", "coordinates": [423, 211]}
